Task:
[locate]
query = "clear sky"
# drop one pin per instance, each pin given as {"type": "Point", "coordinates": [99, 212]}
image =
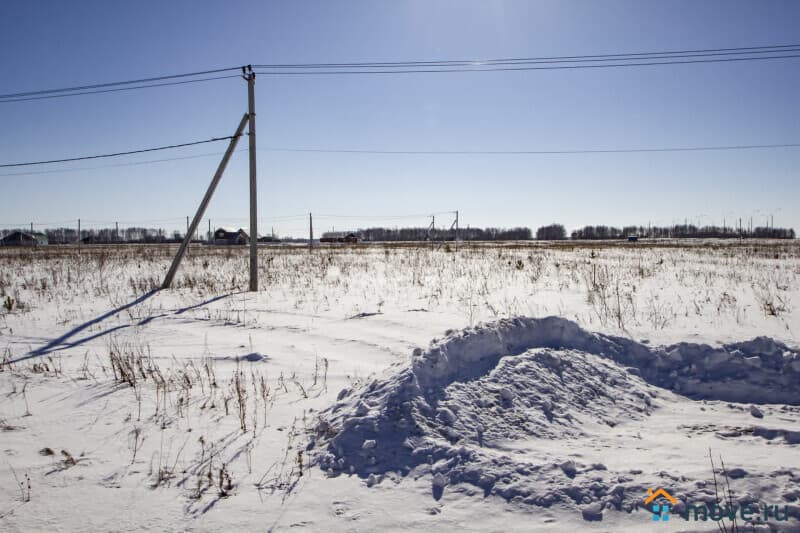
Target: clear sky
{"type": "Point", "coordinates": [48, 44]}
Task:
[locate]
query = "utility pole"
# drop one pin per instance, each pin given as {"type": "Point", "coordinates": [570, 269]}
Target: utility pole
{"type": "Point", "coordinates": [310, 232]}
{"type": "Point", "coordinates": [203, 204]}
{"type": "Point", "coordinates": [187, 225]}
{"type": "Point", "coordinates": [31, 229]}
{"type": "Point", "coordinates": [116, 231]}
{"type": "Point", "coordinates": [209, 231]}
{"type": "Point", "coordinates": [79, 234]}
{"type": "Point", "coordinates": [250, 76]}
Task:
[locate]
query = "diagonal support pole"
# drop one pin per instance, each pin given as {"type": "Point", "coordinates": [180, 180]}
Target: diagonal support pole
{"type": "Point", "coordinates": [206, 199]}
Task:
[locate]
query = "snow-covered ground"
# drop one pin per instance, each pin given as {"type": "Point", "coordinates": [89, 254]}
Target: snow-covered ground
{"type": "Point", "coordinates": [399, 387]}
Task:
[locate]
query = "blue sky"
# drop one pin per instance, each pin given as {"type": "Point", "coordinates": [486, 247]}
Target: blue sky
{"type": "Point", "coordinates": [48, 44]}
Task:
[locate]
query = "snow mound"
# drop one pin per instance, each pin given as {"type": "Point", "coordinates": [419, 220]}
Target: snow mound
{"type": "Point", "coordinates": [457, 409]}
{"type": "Point", "coordinates": [758, 371]}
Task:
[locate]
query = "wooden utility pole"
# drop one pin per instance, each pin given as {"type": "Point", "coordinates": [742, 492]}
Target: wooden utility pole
{"type": "Point", "coordinates": [210, 239]}
{"type": "Point", "coordinates": [203, 204]}
{"type": "Point", "coordinates": [310, 232]}
{"type": "Point", "coordinates": [250, 76]}
{"type": "Point", "coordinates": [31, 228]}
{"type": "Point", "coordinates": [116, 231]}
{"type": "Point", "coordinates": [79, 234]}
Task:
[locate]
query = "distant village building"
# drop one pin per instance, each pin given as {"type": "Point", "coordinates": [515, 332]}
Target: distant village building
{"type": "Point", "coordinates": [22, 238]}
{"type": "Point", "coordinates": [231, 236]}
{"type": "Point", "coordinates": [332, 236]}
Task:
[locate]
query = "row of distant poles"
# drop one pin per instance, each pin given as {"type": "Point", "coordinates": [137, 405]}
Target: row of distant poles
{"type": "Point", "coordinates": [248, 119]}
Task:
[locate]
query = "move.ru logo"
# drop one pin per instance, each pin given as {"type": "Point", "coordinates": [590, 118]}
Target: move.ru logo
{"type": "Point", "coordinates": [716, 512]}
{"type": "Point", "coordinates": [660, 510]}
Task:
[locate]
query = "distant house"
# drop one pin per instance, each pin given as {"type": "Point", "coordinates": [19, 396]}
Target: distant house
{"type": "Point", "coordinates": [350, 238]}
{"type": "Point", "coordinates": [231, 236]}
{"type": "Point", "coordinates": [22, 238]}
{"type": "Point", "coordinates": [633, 238]}
{"type": "Point", "coordinates": [269, 239]}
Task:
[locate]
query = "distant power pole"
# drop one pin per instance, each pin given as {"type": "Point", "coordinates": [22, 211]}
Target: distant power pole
{"type": "Point", "coordinates": [79, 234]}
{"type": "Point", "coordinates": [250, 76]}
{"type": "Point", "coordinates": [116, 231]}
{"type": "Point", "coordinates": [310, 231]}
{"type": "Point", "coordinates": [209, 231]}
{"type": "Point", "coordinates": [187, 225]}
{"type": "Point", "coordinates": [31, 228]}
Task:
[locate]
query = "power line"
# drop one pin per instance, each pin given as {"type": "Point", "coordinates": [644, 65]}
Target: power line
{"type": "Point", "coordinates": [367, 151]}
{"type": "Point", "coordinates": [376, 152]}
{"type": "Point", "coordinates": [769, 49]}
{"type": "Point", "coordinates": [81, 93]}
{"type": "Point", "coordinates": [117, 165]}
{"type": "Point", "coordinates": [478, 68]}
{"type": "Point", "coordinates": [141, 151]}
{"type": "Point", "coordinates": [535, 152]}
{"type": "Point", "coordinates": [382, 217]}
{"type": "Point", "coordinates": [628, 59]}
{"type": "Point", "coordinates": [118, 83]}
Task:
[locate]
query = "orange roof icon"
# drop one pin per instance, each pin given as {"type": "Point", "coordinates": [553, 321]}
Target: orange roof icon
{"type": "Point", "coordinates": [652, 495]}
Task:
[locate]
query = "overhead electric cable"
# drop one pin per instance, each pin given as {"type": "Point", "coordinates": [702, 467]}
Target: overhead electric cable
{"type": "Point", "coordinates": [141, 151]}
{"type": "Point", "coordinates": [478, 68]}
{"type": "Point", "coordinates": [773, 49]}
{"type": "Point", "coordinates": [81, 93]}
{"type": "Point", "coordinates": [117, 83]}
{"type": "Point", "coordinates": [117, 165]}
{"type": "Point", "coordinates": [373, 152]}
{"type": "Point", "coordinates": [535, 152]}
{"type": "Point", "coordinates": [628, 59]}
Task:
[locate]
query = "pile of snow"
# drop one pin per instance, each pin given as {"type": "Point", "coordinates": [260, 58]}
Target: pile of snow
{"type": "Point", "coordinates": [760, 371]}
{"type": "Point", "coordinates": [457, 410]}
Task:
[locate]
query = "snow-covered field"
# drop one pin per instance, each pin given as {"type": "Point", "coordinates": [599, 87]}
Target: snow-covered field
{"type": "Point", "coordinates": [513, 387]}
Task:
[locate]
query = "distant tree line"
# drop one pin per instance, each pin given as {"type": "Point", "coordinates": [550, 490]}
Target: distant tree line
{"type": "Point", "coordinates": [104, 235]}
{"type": "Point", "coordinates": [546, 233]}
{"type": "Point", "coordinates": [683, 231]}
{"type": "Point", "coordinates": [435, 234]}
{"type": "Point", "coordinates": [553, 232]}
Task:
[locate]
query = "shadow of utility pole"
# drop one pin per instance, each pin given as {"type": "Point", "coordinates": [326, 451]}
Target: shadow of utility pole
{"type": "Point", "coordinates": [63, 341]}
